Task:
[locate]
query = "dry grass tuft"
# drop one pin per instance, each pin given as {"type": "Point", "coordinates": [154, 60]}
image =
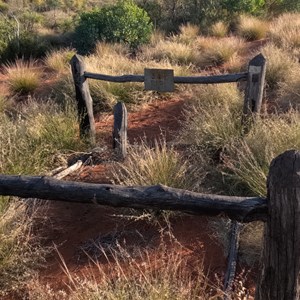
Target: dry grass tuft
{"type": "Point", "coordinates": [281, 65]}
{"type": "Point", "coordinates": [289, 91]}
{"type": "Point", "coordinates": [251, 28]}
{"type": "Point", "coordinates": [32, 141]}
{"type": "Point", "coordinates": [219, 29]}
{"type": "Point", "coordinates": [213, 117]}
{"type": "Point", "coordinates": [59, 60]}
{"type": "Point", "coordinates": [22, 76]}
{"type": "Point", "coordinates": [173, 51]}
{"type": "Point", "coordinates": [159, 164]}
{"type": "Point", "coordinates": [20, 252]}
{"type": "Point", "coordinates": [187, 34]}
{"type": "Point", "coordinates": [285, 31]}
{"type": "Point", "coordinates": [248, 160]}
{"type": "Point", "coordinates": [216, 52]}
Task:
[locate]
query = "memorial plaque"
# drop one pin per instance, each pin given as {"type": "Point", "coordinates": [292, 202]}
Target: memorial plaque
{"type": "Point", "coordinates": [160, 80]}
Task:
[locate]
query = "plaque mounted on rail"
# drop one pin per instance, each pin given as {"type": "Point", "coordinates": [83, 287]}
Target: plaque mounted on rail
{"type": "Point", "coordinates": [160, 80]}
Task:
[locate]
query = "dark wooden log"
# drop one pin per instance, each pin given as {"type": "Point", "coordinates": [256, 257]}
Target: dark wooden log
{"type": "Point", "coordinates": [232, 259]}
{"type": "Point", "coordinates": [243, 209]}
{"type": "Point", "coordinates": [177, 79]}
{"type": "Point", "coordinates": [280, 275]}
{"type": "Point", "coordinates": [120, 130]}
{"type": "Point", "coordinates": [83, 98]}
{"type": "Point", "coordinates": [255, 87]}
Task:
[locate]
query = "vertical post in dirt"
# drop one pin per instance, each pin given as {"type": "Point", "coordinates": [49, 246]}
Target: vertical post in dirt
{"type": "Point", "coordinates": [254, 89]}
{"type": "Point", "coordinates": [120, 130]}
{"type": "Point", "coordinates": [280, 274]}
{"type": "Point", "coordinates": [83, 98]}
{"type": "Point", "coordinates": [232, 259]}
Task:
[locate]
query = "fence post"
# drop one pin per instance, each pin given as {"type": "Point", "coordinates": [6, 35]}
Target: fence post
{"type": "Point", "coordinates": [280, 274]}
{"type": "Point", "coordinates": [255, 88]}
{"type": "Point", "coordinates": [232, 259]}
{"type": "Point", "coordinates": [83, 98]}
{"type": "Point", "coordinates": [120, 130]}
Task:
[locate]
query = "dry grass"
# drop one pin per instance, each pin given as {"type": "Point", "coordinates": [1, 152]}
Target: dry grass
{"type": "Point", "coordinates": [248, 159]}
{"type": "Point", "coordinates": [164, 274]}
{"type": "Point", "coordinates": [251, 28]}
{"type": "Point", "coordinates": [281, 65]}
{"type": "Point", "coordinates": [22, 76]}
{"type": "Point", "coordinates": [173, 51]}
{"type": "Point", "coordinates": [59, 60]}
{"type": "Point", "coordinates": [20, 252]}
{"type": "Point", "coordinates": [250, 242]}
{"type": "Point", "coordinates": [285, 31]}
{"type": "Point", "coordinates": [213, 117]}
{"type": "Point", "coordinates": [216, 52]}
{"type": "Point", "coordinates": [219, 29]}
{"type": "Point", "coordinates": [187, 34]}
{"type": "Point", "coordinates": [36, 137]}
{"type": "Point", "coordinates": [159, 164]}
{"type": "Point", "coordinates": [5, 104]}
{"type": "Point", "coordinates": [289, 92]}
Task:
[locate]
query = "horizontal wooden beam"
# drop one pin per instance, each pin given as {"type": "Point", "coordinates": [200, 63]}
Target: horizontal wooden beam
{"type": "Point", "coordinates": [177, 79]}
{"type": "Point", "coordinates": [159, 197]}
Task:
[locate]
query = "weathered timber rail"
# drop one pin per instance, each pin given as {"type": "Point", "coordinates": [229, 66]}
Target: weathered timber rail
{"type": "Point", "coordinates": [280, 273]}
{"type": "Point", "coordinates": [159, 81]}
{"type": "Point", "coordinates": [243, 209]}
{"type": "Point", "coordinates": [213, 79]}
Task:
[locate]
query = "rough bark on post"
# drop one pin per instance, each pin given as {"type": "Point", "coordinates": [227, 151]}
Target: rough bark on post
{"type": "Point", "coordinates": [120, 130]}
{"type": "Point", "coordinates": [157, 197]}
{"type": "Point", "coordinates": [83, 98]}
{"type": "Point", "coordinates": [255, 87]}
{"type": "Point", "coordinates": [280, 275]}
{"type": "Point", "coordinates": [232, 259]}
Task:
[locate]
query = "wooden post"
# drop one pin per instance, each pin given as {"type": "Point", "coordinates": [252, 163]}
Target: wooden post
{"type": "Point", "coordinates": [83, 98]}
{"type": "Point", "coordinates": [232, 259]}
{"type": "Point", "coordinates": [254, 88]}
{"type": "Point", "coordinates": [280, 275]}
{"type": "Point", "coordinates": [120, 130]}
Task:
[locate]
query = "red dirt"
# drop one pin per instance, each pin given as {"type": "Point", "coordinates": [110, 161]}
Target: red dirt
{"type": "Point", "coordinates": [70, 225]}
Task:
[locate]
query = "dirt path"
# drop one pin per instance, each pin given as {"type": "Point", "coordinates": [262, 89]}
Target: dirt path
{"type": "Point", "coordinates": [72, 227]}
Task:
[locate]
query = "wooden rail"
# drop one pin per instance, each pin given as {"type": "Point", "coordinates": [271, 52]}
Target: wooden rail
{"type": "Point", "coordinates": [213, 79]}
{"type": "Point", "coordinates": [243, 209]}
{"type": "Point", "coordinates": [280, 274]}
{"type": "Point", "coordinates": [255, 77]}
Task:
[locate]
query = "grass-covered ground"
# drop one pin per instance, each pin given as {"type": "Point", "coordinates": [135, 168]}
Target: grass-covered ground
{"type": "Point", "coordinates": [210, 152]}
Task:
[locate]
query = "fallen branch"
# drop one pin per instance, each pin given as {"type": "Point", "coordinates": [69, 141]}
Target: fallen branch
{"type": "Point", "coordinates": [69, 170]}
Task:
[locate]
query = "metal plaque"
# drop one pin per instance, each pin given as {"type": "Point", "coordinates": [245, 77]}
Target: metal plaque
{"type": "Point", "coordinates": [160, 80]}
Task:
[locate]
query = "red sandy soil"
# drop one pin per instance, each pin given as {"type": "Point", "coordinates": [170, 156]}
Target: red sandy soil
{"type": "Point", "coordinates": [69, 226]}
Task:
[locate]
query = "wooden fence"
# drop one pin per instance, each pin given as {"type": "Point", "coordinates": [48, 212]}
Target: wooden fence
{"type": "Point", "coordinates": [280, 273]}
{"type": "Point", "coordinates": [161, 80]}
{"type": "Point", "coordinates": [279, 278]}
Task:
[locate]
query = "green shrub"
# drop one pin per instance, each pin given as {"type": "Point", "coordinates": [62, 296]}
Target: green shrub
{"type": "Point", "coordinates": [123, 22]}
{"type": "Point", "coordinates": [4, 7]}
